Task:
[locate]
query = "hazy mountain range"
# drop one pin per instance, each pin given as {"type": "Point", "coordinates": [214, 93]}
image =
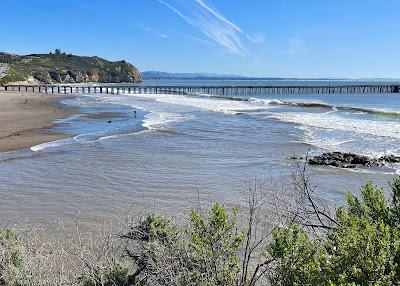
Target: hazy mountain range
{"type": "Point", "coordinates": [168, 75]}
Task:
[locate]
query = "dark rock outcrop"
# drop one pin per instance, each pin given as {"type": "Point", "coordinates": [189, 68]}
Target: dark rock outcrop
{"type": "Point", "coordinates": [350, 160]}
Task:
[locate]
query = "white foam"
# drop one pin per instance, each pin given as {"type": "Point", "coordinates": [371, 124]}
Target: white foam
{"type": "Point", "coordinates": [120, 135]}
{"type": "Point", "coordinates": [266, 101]}
{"type": "Point", "coordinates": [210, 104]}
{"type": "Point", "coordinates": [165, 109]}
{"type": "Point", "coordinates": [156, 120]}
{"type": "Point", "coordinates": [328, 144]}
{"type": "Point", "coordinates": [332, 121]}
{"type": "Point", "coordinates": [80, 139]}
{"type": "Point", "coordinates": [53, 144]}
{"type": "Point", "coordinates": [158, 116]}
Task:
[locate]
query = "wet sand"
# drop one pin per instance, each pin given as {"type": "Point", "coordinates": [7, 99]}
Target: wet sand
{"type": "Point", "coordinates": [26, 119]}
{"type": "Point", "coordinates": [102, 115]}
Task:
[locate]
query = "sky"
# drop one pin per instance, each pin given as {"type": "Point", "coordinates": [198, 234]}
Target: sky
{"type": "Point", "coordinates": [267, 38]}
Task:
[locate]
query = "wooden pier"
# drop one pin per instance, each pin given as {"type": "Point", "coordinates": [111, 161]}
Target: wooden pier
{"type": "Point", "coordinates": [211, 90]}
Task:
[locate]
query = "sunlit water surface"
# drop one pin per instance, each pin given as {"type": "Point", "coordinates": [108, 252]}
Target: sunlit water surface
{"type": "Point", "coordinates": [180, 150]}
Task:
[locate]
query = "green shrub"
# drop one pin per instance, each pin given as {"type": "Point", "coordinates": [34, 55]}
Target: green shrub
{"type": "Point", "coordinates": [215, 242]}
{"type": "Point", "coordinates": [299, 257]}
{"type": "Point", "coordinates": [116, 275]}
{"type": "Point", "coordinates": [11, 259]}
{"type": "Point", "coordinates": [363, 249]}
{"type": "Point", "coordinates": [203, 253]}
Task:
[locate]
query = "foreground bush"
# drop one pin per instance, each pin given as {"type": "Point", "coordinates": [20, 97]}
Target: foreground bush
{"type": "Point", "coordinates": [358, 245]}
{"type": "Point", "coordinates": [204, 253]}
{"type": "Point", "coordinates": [363, 248]}
{"type": "Point", "coordinates": [12, 257]}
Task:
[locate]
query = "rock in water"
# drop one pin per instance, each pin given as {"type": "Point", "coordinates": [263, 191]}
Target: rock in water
{"type": "Point", "coordinates": [390, 159]}
{"type": "Point", "coordinates": [350, 160]}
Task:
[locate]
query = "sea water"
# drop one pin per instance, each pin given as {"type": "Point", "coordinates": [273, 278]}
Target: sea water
{"type": "Point", "coordinates": [179, 150]}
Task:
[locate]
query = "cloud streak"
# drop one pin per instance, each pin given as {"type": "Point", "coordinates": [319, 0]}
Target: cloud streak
{"type": "Point", "coordinates": [151, 30]}
{"type": "Point", "coordinates": [211, 23]}
{"type": "Point", "coordinates": [219, 16]}
{"type": "Point", "coordinates": [256, 39]}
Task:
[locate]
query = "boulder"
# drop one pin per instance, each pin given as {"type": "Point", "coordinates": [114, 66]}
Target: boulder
{"type": "Point", "coordinates": [350, 160]}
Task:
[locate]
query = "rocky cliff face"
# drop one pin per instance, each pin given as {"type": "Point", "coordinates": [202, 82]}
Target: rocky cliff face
{"type": "Point", "coordinates": [3, 70]}
{"type": "Point", "coordinates": [132, 75]}
{"type": "Point", "coordinates": [63, 68]}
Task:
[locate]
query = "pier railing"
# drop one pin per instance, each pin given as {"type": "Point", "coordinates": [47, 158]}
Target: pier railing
{"type": "Point", "coordinates": [215, 90]}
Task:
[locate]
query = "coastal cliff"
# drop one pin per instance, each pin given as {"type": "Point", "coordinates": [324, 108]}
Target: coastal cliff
{"type": "Point", "coordinates": [64, 68]}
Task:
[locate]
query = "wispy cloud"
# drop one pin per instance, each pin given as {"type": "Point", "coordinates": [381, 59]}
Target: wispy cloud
{"type": "Point", "coordinates": [219, 16]}
{"type": "Point", "coordinates": [151, 30]}
{"type": "Point", "coordinates": [196, 39]}
{"type": "Point", "coordinates": [86, 6]}
{"type": "Point", "coordinates": [256, 39]}
{"type": "Point", "coordinates": [211, 23]}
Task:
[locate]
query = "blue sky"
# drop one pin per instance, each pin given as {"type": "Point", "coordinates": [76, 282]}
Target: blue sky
{"type": "Point", "coordinates": [289, 38]}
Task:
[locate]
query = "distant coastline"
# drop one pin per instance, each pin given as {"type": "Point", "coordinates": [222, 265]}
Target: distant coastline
{"type": "Point", "coordinates": [160, 75]}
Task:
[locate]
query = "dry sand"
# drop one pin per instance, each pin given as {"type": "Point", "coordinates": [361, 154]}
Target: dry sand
{"type": "Point", "coordinates": [25, 119]}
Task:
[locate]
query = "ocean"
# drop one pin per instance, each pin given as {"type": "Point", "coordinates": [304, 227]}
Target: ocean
{"type": "Point", "coordinates": [177, 151]}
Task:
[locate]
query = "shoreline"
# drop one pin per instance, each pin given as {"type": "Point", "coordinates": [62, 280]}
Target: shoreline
{"type": "Point", "coordinates": [26, 118]}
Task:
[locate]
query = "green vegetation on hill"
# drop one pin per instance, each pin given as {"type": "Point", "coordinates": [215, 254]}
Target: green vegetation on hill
{"type": "Point", "coordinates": [66, 68]}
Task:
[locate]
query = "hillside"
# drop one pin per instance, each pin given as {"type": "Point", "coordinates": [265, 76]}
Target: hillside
{"type": "Point", "coordinates": [64, 68]}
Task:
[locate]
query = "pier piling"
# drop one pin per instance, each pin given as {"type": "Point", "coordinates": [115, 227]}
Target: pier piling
{"type": "Point", "coordinates": [215, 90]}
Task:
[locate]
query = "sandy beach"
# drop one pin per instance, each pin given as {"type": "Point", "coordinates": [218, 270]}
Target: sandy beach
{"type": "Point", "coordinates": [25, 119]}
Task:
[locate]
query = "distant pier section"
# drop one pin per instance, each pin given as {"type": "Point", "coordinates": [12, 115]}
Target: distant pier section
{"type": "Point", "coordinates": [212, 90]}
